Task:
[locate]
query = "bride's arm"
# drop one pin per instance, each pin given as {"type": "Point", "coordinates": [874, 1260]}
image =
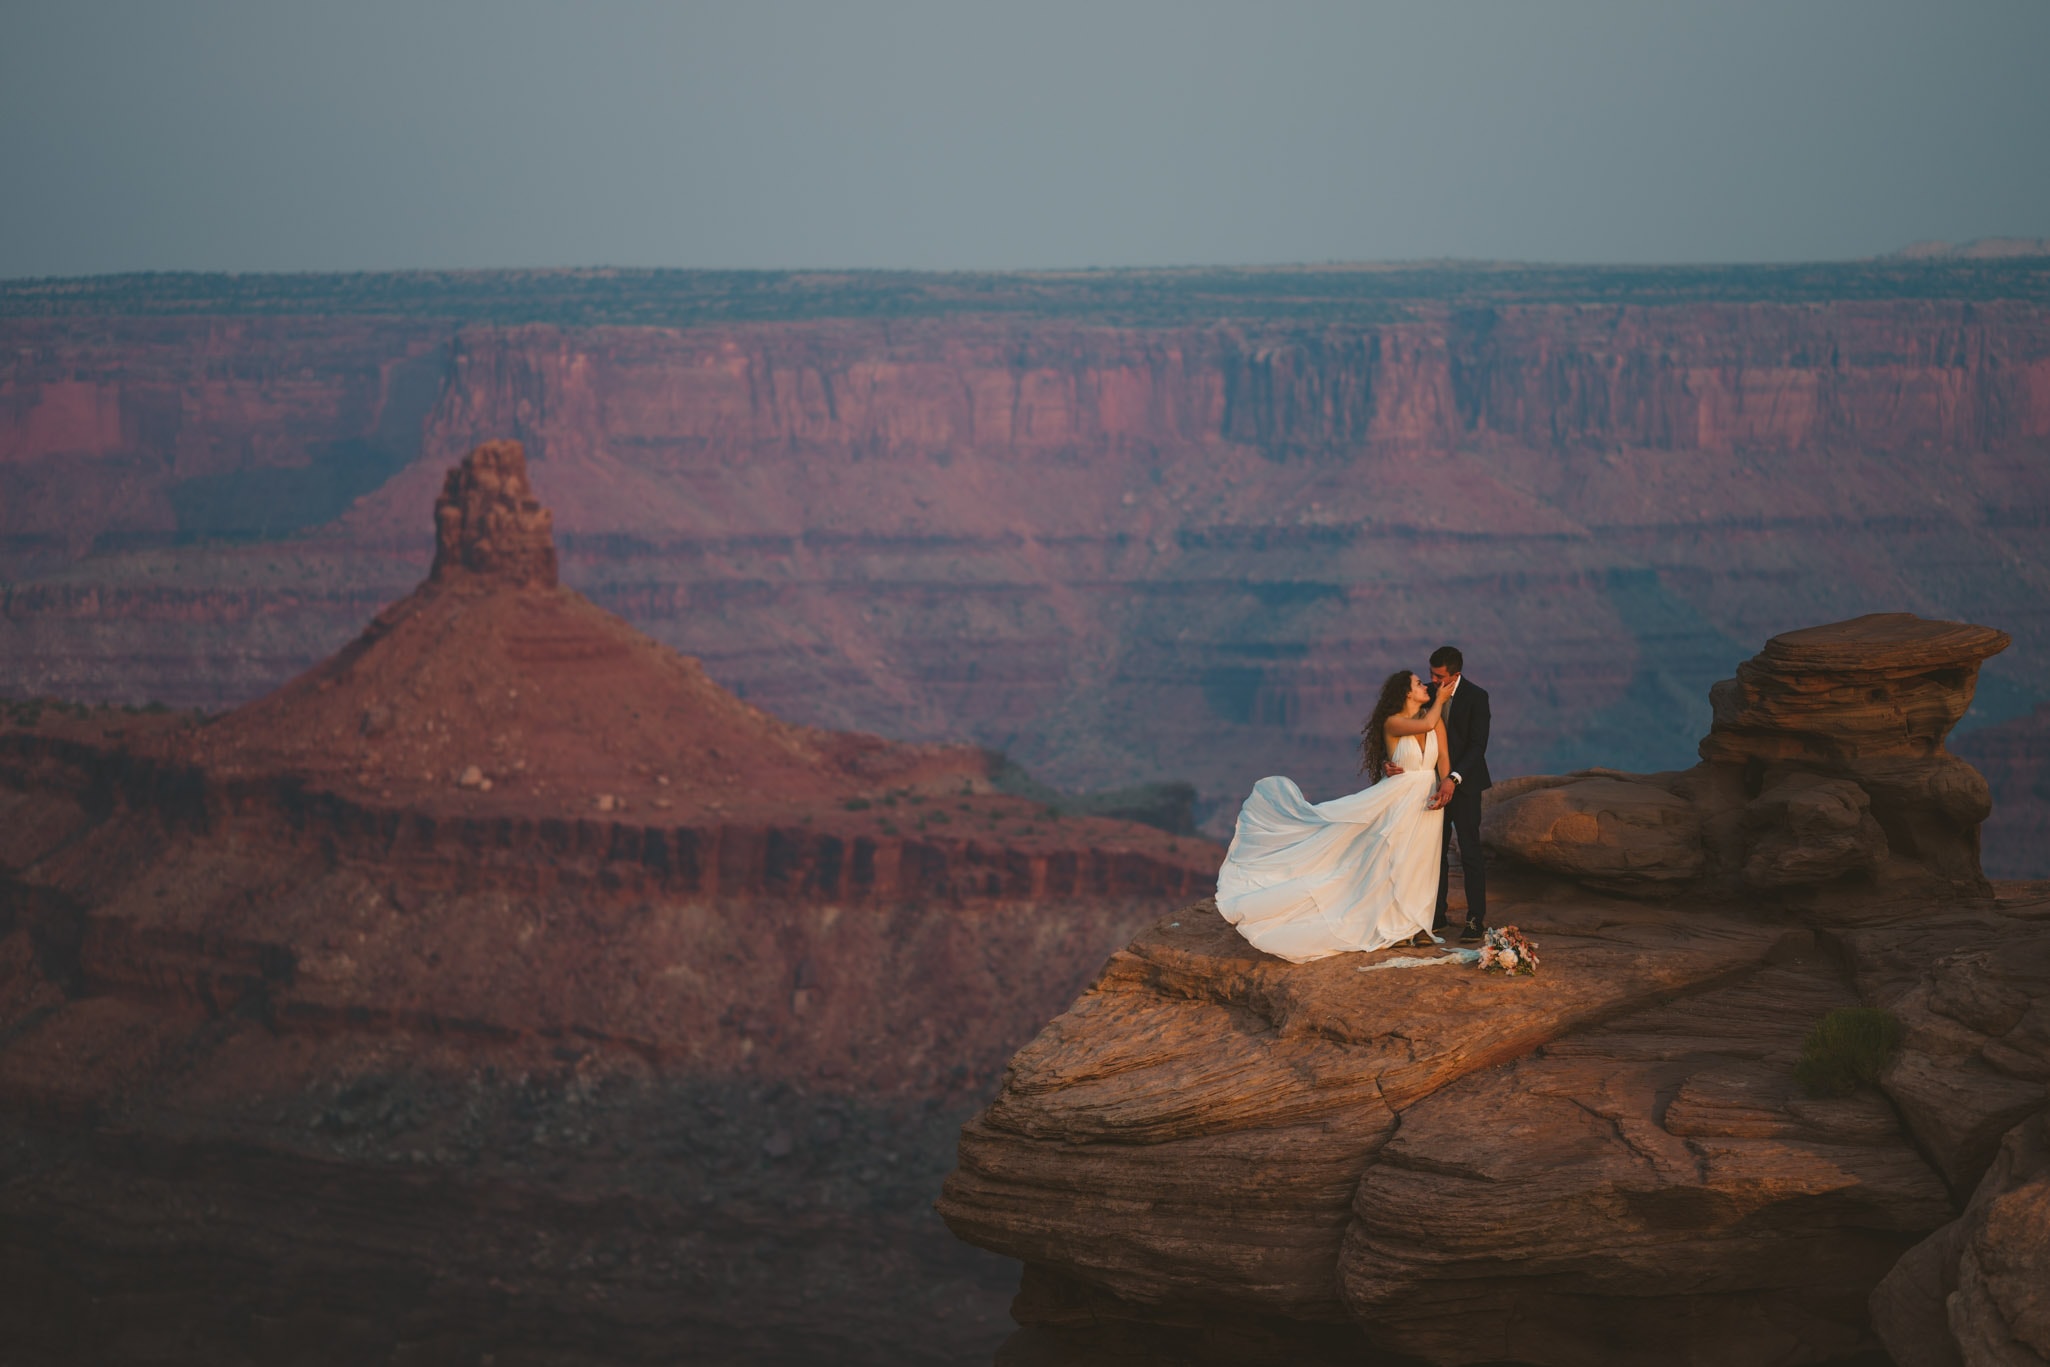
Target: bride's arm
{"type": "Point", "coordinates": [1423, 723]}
{"type": "Point", "coordinates": [1444, 755]}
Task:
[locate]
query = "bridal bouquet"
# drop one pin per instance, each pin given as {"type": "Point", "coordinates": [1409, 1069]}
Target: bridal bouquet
{"type": "Point", "coordinates": [1507, 951]}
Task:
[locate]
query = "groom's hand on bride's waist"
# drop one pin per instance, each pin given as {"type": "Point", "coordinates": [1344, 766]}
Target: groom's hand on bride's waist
{"type": "Point", "coordinates": [1390, 769]}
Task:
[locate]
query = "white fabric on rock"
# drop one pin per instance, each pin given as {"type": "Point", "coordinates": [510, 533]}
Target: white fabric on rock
{"type": "Point", "coordinates": [1305, 881]}
{"type": "Point", "coordinates": [1456, 956]}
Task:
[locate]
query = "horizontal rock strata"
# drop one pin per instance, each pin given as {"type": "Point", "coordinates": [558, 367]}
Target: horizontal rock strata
{"type": "Point", "coordinates": [1123, 526]}
{"type": "Point", "coordinates": [1630, 1184]}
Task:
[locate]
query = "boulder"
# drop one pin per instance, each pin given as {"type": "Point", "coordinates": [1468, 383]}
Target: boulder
{"type": "Point", "coordinates": [1611, 833]}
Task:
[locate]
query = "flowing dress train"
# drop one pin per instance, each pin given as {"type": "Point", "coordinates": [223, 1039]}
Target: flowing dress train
{"type": "Point", "coordinates": [1305, 881]}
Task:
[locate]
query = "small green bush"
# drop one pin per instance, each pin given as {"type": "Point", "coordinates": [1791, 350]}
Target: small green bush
{"type": "Point", "coordinates": [856, 804]}
{"type": "Point", "coordinates": [1848, 1049]}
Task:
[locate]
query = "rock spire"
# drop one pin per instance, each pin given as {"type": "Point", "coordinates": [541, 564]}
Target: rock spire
{"type": "Point", "coordinates": [487, 521]}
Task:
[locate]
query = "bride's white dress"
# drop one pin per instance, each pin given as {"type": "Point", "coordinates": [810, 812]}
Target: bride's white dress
{"type": "Point", "coordinates": [1306, 881]}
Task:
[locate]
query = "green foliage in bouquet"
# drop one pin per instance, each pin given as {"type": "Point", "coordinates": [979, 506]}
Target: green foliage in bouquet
{"type": "Point", "coordinates": [1848, 1049]}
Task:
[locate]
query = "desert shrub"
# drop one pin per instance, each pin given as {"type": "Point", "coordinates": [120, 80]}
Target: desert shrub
{"type": "Point", "coordinates": [856, 804]}
{"type": "Point", "coordinates": [1848, 1049]}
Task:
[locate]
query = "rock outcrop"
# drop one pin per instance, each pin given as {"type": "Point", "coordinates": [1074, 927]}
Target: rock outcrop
{"type": "Point", "coordinates": [488, 522]}
{"type": "Point", "coordinates": [1974, 1081]}
{"type": "Point", "coordinates": [1977, 1292]}
{"type": "Point", "coordinates": [1319, 1162]}
{"type": "Point", "coordinates": [1825, 763]}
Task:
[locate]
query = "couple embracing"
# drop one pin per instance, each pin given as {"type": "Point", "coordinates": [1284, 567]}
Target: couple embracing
{"type": "Point", "coordinates": [1304, 881]}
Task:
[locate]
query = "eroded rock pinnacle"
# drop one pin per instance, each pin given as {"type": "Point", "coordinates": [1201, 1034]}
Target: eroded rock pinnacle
{"type": "Point", "coordinates": [487, 521]}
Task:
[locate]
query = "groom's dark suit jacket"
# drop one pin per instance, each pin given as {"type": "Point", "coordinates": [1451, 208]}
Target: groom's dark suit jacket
{"type": "Point", "coordinates": [1466, 736]}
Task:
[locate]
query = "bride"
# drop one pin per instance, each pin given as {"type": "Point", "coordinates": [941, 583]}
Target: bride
{"type": "Point", "coordinates": [1305, 881]}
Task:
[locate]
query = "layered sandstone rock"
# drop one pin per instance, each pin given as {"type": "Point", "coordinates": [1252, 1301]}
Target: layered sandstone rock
{"type": "Point", "coordinates": [1194, 1127]}
{"type": "Point", "coordinates": [1825, 763]}
{"type": "Point", "coordinates": [1566, 1169]}
{"type": "Point", "coordinates": [1589, 1165]}
{"type": "Point", "coordinates": [1975, 1082]}
{"type": "Point", "coordinates": [1977, 1292]}
{"type": "Point", "coordinates": [1869, 701]}
{"type": "Point", "coordinates": [1632, 1184]}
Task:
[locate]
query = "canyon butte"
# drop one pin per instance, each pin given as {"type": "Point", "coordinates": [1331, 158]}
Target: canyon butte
{"type": "Point", "coordinates": [1217, 1156]}
{"type": "Point", "coordinates": [1127, 526]}
{"type": "Point", "coordinates": [504, 989]}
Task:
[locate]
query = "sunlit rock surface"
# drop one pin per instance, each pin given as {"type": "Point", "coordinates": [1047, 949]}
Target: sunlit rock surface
{"type": "Point", "coordinates": [1326, 1161]}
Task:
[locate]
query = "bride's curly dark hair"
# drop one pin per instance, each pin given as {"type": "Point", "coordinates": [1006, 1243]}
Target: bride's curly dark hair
{"type": "Point", "coordinates": [1374, 735]}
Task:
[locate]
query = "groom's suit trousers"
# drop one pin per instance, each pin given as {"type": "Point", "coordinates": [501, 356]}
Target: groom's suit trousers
{"type": "Point", "coordinates": [1463, 815]}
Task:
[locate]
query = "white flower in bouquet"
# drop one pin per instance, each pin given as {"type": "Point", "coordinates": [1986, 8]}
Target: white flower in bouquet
{"type": "Point", "coordinates": [1507, 958]}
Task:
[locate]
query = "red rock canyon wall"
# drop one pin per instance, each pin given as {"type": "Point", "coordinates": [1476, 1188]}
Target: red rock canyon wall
{"type": "Point", "coordinates": [1120, 552]}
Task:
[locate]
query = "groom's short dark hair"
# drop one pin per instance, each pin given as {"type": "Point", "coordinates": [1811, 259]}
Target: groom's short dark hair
{"type": "Point", "coordinates": [1449, 658]}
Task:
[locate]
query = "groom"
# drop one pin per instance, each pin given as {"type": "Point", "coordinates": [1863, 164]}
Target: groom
{"type": "Point", "coordinates": [1466, 740]}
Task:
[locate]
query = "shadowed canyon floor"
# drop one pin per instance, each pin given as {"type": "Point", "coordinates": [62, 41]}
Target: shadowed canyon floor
{"type": "Point", "coordinates": [1125, 525]}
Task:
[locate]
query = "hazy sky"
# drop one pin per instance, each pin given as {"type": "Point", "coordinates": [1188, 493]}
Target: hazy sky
{"type": "Point", "coordinates": [274, 135]}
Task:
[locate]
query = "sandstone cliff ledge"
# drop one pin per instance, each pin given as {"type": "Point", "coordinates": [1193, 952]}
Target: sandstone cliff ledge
{"type": "Point", "coordinates": [1243, 1159]}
